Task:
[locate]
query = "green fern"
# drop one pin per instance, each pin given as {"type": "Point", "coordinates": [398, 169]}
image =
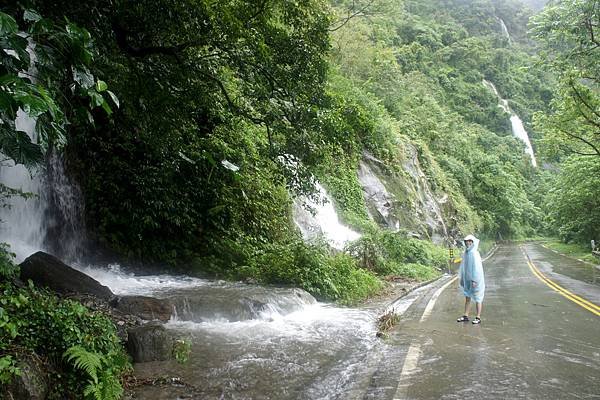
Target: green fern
{"type": "Point", "coordinates": [108, 388]}
{"type": "Point", "coordinates": [103, 385]}
{"type": "Point", "coordinates": [87, 361]}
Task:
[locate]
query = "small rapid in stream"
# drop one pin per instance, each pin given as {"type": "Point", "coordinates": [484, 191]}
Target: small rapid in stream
{"type": "Point", "coordinates": [251, 341]}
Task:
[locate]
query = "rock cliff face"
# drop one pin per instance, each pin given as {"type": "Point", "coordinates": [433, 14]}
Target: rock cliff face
{"type": "Point", "coordinates": [403, 200]}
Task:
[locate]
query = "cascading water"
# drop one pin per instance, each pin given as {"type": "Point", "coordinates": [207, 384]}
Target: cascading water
{"type": "Point", "coordinates": [518, 129]}
{"type": "Point", "coordinates": [504, 29]}
{"type": "Point", "coordinates": [51, 218]}
{"type": "Point", "coordinates": [65, 216]}
{"type": "Point", "coordinates": [254, 342]}
{"type": "Point", "coordinates": [21, 220]}
{"type": "Point", "coordinates": [324, 221]}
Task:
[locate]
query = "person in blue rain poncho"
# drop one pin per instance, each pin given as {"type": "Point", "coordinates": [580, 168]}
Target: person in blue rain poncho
{"type": "Point", "coordinates": [471, 279]}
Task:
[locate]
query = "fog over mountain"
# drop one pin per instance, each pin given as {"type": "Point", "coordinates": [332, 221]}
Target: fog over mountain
{"type": "Point", "coordinates": [535, 4]}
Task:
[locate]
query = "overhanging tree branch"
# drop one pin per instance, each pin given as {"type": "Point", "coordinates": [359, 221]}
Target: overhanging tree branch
{"type": "Point", "coordinates": [587, 142]}
{"type": "Point", "coordinates": [139, 52]}
{"type": "Point", "coordinates": [352, 13]}
{"type": "Point", "coordinates": [586, 104]}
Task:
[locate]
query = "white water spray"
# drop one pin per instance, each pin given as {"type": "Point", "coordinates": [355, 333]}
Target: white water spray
{"type": "Point", "coordinates": [21, 219]}
{"type": "Point", "coordinates": [504, 29]}
{"type": "Point", "coordinates": [518, 129]}
{"type": "Point", "coordinates": [324, 222]}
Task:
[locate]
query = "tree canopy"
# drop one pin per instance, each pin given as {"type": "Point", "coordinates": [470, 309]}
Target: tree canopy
{"type": "Point", "coordinates": [569, 34]}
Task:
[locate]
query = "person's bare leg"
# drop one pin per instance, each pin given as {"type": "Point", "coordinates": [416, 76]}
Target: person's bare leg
{"type": "Point", "coordinates": [467, 305]}
{"type": "Point", "coordinates": [478, 306]}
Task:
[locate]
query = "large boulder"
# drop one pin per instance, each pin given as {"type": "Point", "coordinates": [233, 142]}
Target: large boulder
{"type": "Point", "coordinates": [30, 384]}
{"type": "Point", "coordinates": [48, 271]}
{"type": "Point", "coordinates": [150, 342]}
{"type": "Point", "coordinates": [144, 307]}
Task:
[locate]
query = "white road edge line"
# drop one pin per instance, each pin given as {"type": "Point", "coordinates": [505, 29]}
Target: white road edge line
{"type": "Point", "coordinates": [414, 351]}
{"type": "Point", "coordinates": [433, 299]}
{"type": "Point", "coordinates": [413, 354]}
{"type": "Point", "coordinates": [410, 367]}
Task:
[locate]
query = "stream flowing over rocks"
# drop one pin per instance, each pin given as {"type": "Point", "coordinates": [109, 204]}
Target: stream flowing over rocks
{"type": "Point", "coordinates": [247, 341]}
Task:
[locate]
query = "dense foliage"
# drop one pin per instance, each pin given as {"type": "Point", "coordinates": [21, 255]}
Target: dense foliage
{"type": "Point", "coordinates": [573, 200]}
{"type": "Point", "coordinates": [217, 99]}
{"type": "Point", "coordinates": [205, 89]}
{"type": "Point", "coordinates": [568, 34]}
{"type": "Point", "coordinates": [196, 166]}
{"type": "Point", "coordinates": [34, 323]}
{"type": "Point", "coordinates": [314, 268]}
{"type": "Point", "coordinates": [388, 254]}
{"type": "Point", "coordinates": [43, 75]}
{"type": "Point", "coordinates": [39, 61]}
{"type": "Point", "coordinates": [226, 107]}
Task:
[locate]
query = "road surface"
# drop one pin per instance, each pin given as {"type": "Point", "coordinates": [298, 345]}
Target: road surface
{"type": "Point", "coordinates": [539, 339]}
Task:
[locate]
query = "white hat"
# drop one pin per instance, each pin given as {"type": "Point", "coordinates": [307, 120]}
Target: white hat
{"type": "Point", "coordinates": [470, 237]}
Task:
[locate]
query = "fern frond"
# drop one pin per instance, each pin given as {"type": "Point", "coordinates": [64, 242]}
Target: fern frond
{"type": "Point", "coordinates": [92, 391]}
{"type": "Point", "coordinates": [85, 360]}
{"type": "Point", "coordinates": [111, 387]}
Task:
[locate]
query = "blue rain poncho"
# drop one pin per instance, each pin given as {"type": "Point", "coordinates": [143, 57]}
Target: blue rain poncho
{"type": "Point", "coordinates": [470, 273]}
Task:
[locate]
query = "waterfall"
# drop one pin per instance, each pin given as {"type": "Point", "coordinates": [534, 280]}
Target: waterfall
{"type": "Point", "coordinates": [504, 29]}
{"type": "Point", "coordinates": [518, 130]}
{"type": "Point", "coordinates": [51, 218]}
{"type": "Point", "coordinates": [324, 221]}
{"type": "Point", "coordinates": [66, 233]}
{"type": "Point", "coordinates": [20, 218]}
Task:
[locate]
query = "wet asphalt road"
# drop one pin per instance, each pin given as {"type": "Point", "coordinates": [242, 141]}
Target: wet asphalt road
{"type": "Point", "coordinates": [533, 342]}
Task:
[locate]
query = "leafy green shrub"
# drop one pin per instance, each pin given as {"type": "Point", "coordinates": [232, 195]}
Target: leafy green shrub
{"type": "Point", "coordinates": [415, 271]}
{"type": "Point", "coordinates": [103, 383]}
{"type": "Point", "coordinates": [63, 53]}
{"type": "Point", "coordinates": [386, 253]}
{"type": "Point", "coordinates": [33, 320]}
{"type": "Point", "coordinates": [313, 267]}
{"type": "Point", "coordinates": [8, 368]}
{"type": "Point", "coordinates": [8, 269]}
{"type": "Point", "coordinates": [181, 350]}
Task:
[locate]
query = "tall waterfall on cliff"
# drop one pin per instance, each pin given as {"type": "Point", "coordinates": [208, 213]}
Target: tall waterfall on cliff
{"type": "Point", "coordinates": [21, 219]}
{"type": "Point", "coordinates": [518, 129]}
{"type": "Point", "coordinates": [50, 219]}
{"type": "Point", "coordinates": [504, 29]}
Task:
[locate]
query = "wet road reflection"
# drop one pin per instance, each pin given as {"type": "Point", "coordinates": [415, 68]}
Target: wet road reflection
{"type": "Point", "coordinates": [533, 342]}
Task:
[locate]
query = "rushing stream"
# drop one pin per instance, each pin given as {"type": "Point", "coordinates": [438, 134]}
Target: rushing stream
{"type": "Point", "coordinates": [253, 342]}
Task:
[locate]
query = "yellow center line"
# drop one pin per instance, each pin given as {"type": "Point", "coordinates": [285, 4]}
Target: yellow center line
{"type": "Point", "coordinates": [588, 305]}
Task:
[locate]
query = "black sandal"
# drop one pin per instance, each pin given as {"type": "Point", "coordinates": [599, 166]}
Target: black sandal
{"type": "Point", "coordinates": [464, 318]}
{"type": "Point", "coordinates": [477, 320]}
